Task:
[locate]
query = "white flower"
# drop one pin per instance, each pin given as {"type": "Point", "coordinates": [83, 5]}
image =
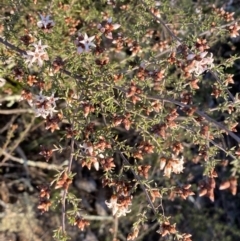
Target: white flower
{"type": "Point", "coordinates": [41, 112]}
{"type": "Point", "coordinates": [52, 100]}
{"type": "Point", "coordinates": [39, 55]}
{"type": "Point", "coordinates": [43, 105]}
{"type": "Point", "coordinates": [119, 209]}
{"type": "Point", "coordinates": [39, 47]}
{"type": "Point", "coordinates": [2, 82]}
{"type": "Point", "coordinates": [84, 43]}
{"type": "Point", "coordinates": [80, 50]}
{"type": "Point", "coordinates": [173, 165]}
{"type": "Point", "coordinates": [177, 165]}
{"type": "Point", "coordinates": [87, 148]}
{"type": "Point", "coordinates": [113, 204]}
{"type": "Point", "coordinates": [122, 211]}
{"type": "Point", "coordinates": [45, 22]}
{"type": "Point", "coordinates": [200, 62]}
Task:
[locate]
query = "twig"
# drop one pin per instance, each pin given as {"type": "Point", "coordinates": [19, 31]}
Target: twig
{"type": "Point", "coordinates": [201, 113]}
{"type": "Point", "coordinates": [98, 218]}
{"type": "Point", "coordinates": [10, 97]}
{"type": "Point", "coordinates": [211, 141]}
{"type": "Point", "coordinates": [223, 26]}
{"type": "Point", "coordinates": [133, 172]}
{"type": "Point", "coordinates": [140, 182]}
{"type": "Point", "coordinates": [4, 128]}
{"type": "Point", "coordinates": [219, 81]}
{"type": "Point", "coordinates": [13, 47]}
{"type": "Point", "coordinates": [20, 138]}
{"type": "Point", "coordinates": [15, 111]}
{"type": "Point", "coordinates": [115, 228]}
{"type": "Point", "coordinates": [65, 191]}
{"type": "Point", "coordinates": [42, 165]}
{"type": "Point", "coordinates": [23, 156]}
{"type": "Point", "coordinates": [162, 22]}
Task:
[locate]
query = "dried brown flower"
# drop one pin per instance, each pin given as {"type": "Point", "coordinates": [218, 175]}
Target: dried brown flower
{"type": "Point", "coordinates": [81, 223]}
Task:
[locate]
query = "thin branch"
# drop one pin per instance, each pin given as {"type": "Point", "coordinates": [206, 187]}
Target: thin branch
{"type": "Point", "coordinates": [66, 191]}
{"type": "Point", "coordinates": [221, 27]}
{"type": "Point", "coordinates": [140, 182]}
{"type": "Point", "coordinates": [13, 47]}
{"type": "Point", "coordinates": [98, 218]}
{"type": "Point", "coordinates": [211, 141]}
{"type": "Point", "coordinates": [15, 111]}
{"type": "Point", "coordinates": [23, 134]}
{"type": "Point", "coordinates": [219, 81]}
{"type": "Point", "coordinates": [200, 113]}
{"type": "Point", "coordinates": [133, 172]}
{"type": "Point", "coordinates": [115, 228]}
{"type": "Point", "coordinates": [42, 165]}
{"type": "Point", "coordinates": [162, 22]}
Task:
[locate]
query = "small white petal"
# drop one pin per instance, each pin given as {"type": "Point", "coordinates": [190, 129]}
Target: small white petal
{"type": "Point", "coordinates": [96, 165]}
{"type": "Point", "coordinates": [80, 50]}
{"type": "Point", "coordinates": [2, 82]}
{"type": "Point", "coordinates": [116, 26]}
{"type": "Point", "coordinates": [203, 54]}
{"type": "Point", "coordinates": [191, 56]}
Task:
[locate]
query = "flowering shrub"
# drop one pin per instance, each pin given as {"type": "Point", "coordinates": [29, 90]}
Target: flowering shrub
{"type": "Point", "coordinates": [141, 94]}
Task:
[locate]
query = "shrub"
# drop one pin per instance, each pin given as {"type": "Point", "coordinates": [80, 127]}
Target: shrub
{"type": "Point", "coordinates": [140, 95]}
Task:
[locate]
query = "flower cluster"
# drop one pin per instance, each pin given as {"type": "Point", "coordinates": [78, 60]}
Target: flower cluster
{"type": "Point", "coordinates": [43, 105]}
{"type": "Point", "coordinates": [182, 192]}
{"type": "Point", "coordinates": [107, 27]}
{"type": "Point", "coordinates": [119, 205]}
{"type": "Point", "coordinates": [44, 199]}
{"type": "Point", "coordinates": [208, 185]}
{"type": "Point", "coordinates": [174, 165]}
{"type": "Point", "coordinates": [234, 30]}
{"type": "Point", "coordinates": [167, 228]}
{"type": "Point", "coordinates": [81, 223]}
{"type": "Point", "coordinates": [38, 55]}
{"type": "Point", "coordinates": [230, 184]}
{"type": "Point", "coordinates": [94, 155]}
{"type": "Point", "coordinates": [122, 199]}
{"type": "Point", "coordinates": [64, 181]}
{"type": "Point", "coordinates": [200, 63]}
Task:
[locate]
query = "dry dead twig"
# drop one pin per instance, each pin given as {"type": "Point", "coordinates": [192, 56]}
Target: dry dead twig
{"type": "Point", "coordinates": [42, 165]}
